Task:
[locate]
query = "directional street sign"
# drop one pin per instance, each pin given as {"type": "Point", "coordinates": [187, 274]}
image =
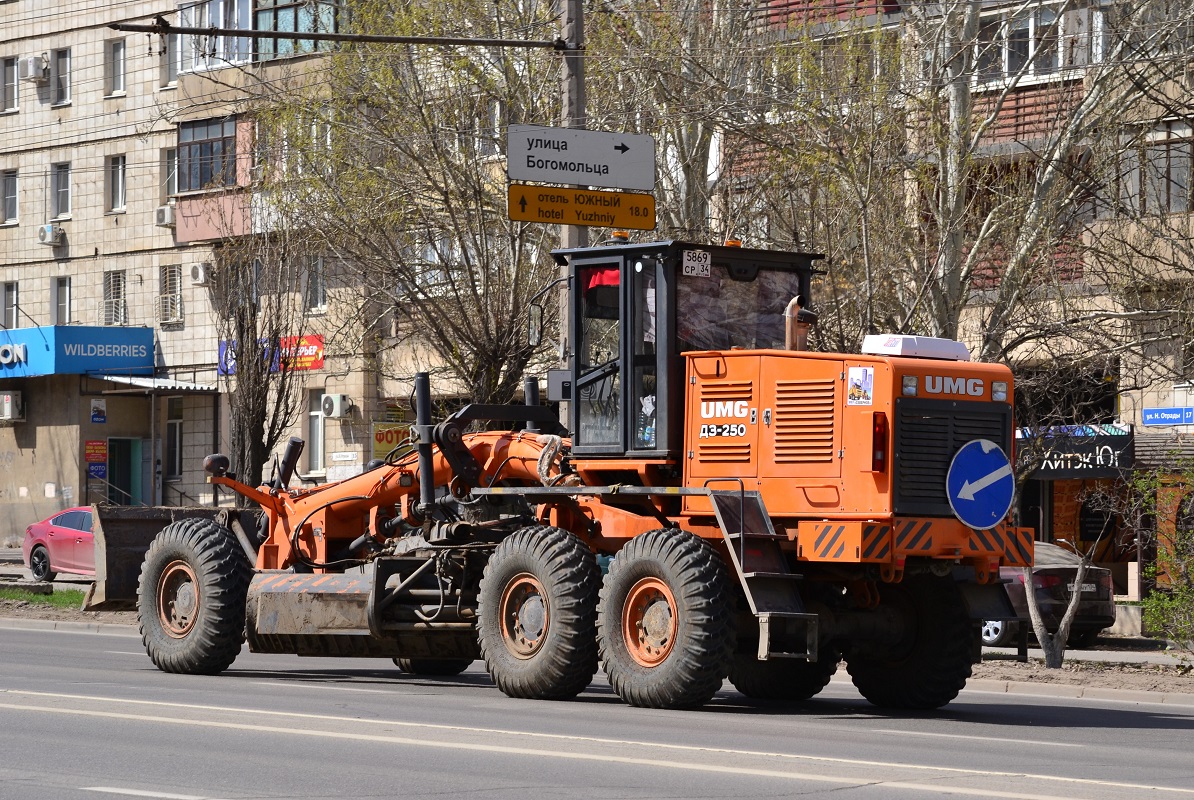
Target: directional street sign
{"type": "Point", "coordinates": [585, 158]}
{"type": "Point", "coordinates": [580, 207]}
{"type": "Point", "coordinates": [980, 484]}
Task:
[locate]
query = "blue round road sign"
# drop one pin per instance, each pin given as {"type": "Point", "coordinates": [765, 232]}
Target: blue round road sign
{"type": "Point", "coordinates": [980, 484]}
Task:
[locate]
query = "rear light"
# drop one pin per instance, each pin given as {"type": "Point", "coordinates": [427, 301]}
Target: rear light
{"type": "Point", "coordinates": [1046, 581]}
{"type": "Point", "coordinates": [909, 385]}
{"type": "Point", "coordinates": [999, 391]}
{"type": "Point", "coordinates": [879, 442]}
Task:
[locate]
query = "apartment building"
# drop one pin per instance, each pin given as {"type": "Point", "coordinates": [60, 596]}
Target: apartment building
{"type": "Point", "coordinates": [114, 375]}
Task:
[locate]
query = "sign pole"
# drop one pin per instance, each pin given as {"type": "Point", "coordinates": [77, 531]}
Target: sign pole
{"type": "Point", "coordinates": [572, 96]}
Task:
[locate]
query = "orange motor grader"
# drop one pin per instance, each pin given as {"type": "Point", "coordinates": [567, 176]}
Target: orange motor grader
{"type": "Point", "coordinates": [723, 503]}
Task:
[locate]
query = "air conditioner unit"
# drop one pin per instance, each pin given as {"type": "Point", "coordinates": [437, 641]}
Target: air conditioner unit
{"type": "Point", "coordinates": [336, 406]}
{"type": "Point", "coordinates": [11, 408]}
{"type": "Point", "coordinates": [200, 274]}
{"type": "Point", "coordinates": [163, 216]}
{"type": "Point", "coordinates": [49, 233]}
{"type": "Point", "coordinates": [34, 68]}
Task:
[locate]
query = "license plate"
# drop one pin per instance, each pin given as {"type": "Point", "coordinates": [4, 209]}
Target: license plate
{"type": "Point", "coordinates": [1086, 587]}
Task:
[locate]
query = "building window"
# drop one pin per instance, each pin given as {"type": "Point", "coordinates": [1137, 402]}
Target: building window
{"type": "Point", "coordinates": [173, 465]}
{"type": "Point", "coordinates": [170, 58]}
{"type": "Point", "coordinates": [1154, 176]}
{"type": "Point", "coordinates": [170, 299]}
{"type": "Point", "coordinates": [202, 51]}
{"type": "Point", "coordinates": [61, 302]}
{"type": "Point", "coordinates": [60, 189]}
{"type": "Point", "coordinates": [293, 15]}
{"type": "Point", "coordinates": [115, 179]}
{"type": "Point", "coordinates": [115, 302]}
{"type": "Point", "coordinates": [206, 154]}
{"type": "Point", "coordinates": [8, 188]}
{"type": "Point", "coordinates": [60, 77]}
{"type": "Point", "coordinates": [1034, 44]}
{"type": "Point", "coordinates": [316, 284]}
{"type": "Point", "coordinates": [10, 305]}
{"type": "Point", "coordinates": [169, 170]}
{"type": "Point", "coordinates": [114, 67]}
{"type": "Point", "coordinates": [315, 431]}
{"type": "Point", "coordinates": [8, 72]}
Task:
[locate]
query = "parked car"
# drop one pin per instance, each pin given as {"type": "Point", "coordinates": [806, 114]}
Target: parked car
{"type": "Point", "coordinates": [60, 543]}
{"type": "Point", "coordinates": [1053, 573]}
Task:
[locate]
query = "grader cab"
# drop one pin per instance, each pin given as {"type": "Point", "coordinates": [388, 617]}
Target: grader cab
{"type": "Point", "coordinates": [770, 511]}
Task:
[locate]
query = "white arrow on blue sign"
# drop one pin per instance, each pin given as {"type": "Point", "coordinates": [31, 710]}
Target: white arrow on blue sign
{"type": "Point", "coordinates": [980, 484]}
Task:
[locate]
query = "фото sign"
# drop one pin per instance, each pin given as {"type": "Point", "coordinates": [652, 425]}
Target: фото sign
{"type": "Point", "coordinates": [387, 435]}
{"type": "Point", "coordinates": [75, 350]}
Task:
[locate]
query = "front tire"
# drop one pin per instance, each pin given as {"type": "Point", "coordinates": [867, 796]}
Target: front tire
{"type": "Point", "coordinates": [39, 565]}
{"type": "Point", "coordinates": [191, 597]}
{"type": "Point", "coordinates": [433, 667]}
{"type": "Point", "coordinates": [931, 664]}
{"type": "Point", "coordinates": [666, 629]}
{"type": "Point", "coordinates": [784, 679]}
{"type": "Point", "coordinates": [998, 633]}
{"type": "Point", "coordinates": [537, 614]}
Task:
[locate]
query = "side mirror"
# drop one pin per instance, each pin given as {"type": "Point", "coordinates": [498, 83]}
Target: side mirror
{"type": "Point", "coordinates": [535, 325]}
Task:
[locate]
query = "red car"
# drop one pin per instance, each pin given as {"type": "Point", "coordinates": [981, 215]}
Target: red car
{"type": "Point", "coordinates": [61, 543]}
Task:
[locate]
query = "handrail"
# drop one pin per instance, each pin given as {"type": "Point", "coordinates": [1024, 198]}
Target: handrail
{"type": "Point", "coordinates": [183, 497]}
{"type": "Point", "coordinates": [109, 487]}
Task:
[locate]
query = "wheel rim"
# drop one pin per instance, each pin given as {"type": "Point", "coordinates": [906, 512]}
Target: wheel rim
{"type": "Point", "coordinates": [649, 622]}
{"type": "Point", "coordinates": [39, 564]}
{"type": "Point", "coordinates": [178, 599]}
{"type": "Point", "coordinates": [992, 629]}
{"type": "Point", "coordinates": [524, 615]}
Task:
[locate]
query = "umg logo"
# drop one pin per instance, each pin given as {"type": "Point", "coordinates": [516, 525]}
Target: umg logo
{"type": "Point", "coordinates": [724, 408]}
{"type": "Point", "coordinates": [938, 384]}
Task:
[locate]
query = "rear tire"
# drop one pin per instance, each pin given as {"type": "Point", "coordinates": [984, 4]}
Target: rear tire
{"type": "Point", "coordinates": [786, 679]}
{"type": "Point", "coordinates": [666, 628]}
{"type": "Point", "coordinates": [191, 597]}
{"type": "Point", "coordinates": [537, 614]}
{"type": "Point", "coordinates": [931, 665]}
{"type": "Point", "coordinates": [433, 667]}
{"type": "Point", "coordinates": [1080, 640]}
{"type": "Point", "coordinates": [39, 565]}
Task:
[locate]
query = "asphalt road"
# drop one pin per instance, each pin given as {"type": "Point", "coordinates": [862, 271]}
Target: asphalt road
{"type": "Point", "coordinates": [85, 715]}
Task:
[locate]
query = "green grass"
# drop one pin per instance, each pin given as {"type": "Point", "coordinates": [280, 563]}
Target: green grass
{"type": "Point", "coordinates": [71, 598]}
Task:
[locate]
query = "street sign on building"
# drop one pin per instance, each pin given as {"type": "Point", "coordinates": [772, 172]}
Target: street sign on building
{"type": "Point", "coordinates": [980, 485]}
{"type": "Point", "coordinates": [583, 207]}
{"type": "Point", "coordinates": [585, 158]}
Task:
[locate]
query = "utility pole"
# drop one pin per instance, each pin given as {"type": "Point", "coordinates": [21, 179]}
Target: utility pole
{"type": "Point", "coordinates": [572, 94]}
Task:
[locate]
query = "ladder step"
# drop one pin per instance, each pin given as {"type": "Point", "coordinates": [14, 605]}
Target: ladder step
{"type": "Point", "coordinates": [757, 535]}
{"type": "Point", "coordinates": [792, 576]}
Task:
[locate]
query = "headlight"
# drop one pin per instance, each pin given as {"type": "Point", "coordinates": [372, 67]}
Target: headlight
{"type": "Point", "coordinates": [910, 384]}
{"type": "Point", "coordinates": [999, 390]}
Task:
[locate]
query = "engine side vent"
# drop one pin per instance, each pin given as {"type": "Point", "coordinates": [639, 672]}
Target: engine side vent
{"type": "Point", "coordinates": [804, 421]}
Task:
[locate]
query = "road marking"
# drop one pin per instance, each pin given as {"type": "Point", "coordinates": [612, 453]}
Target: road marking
{"type": "Point", "coordinates": [1133, 788]}
{"type": "Point", "coordinates": [979, 738]}
{"type": "Point", "coordinates": [124, 653]}
{"type": "Point", "coordinates": [139, 793]}
{"type": "Point", "coordinates": [326, 688]}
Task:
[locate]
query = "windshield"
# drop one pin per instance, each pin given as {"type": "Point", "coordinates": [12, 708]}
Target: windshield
{"type": "Point", "coordinates": [719, 312]}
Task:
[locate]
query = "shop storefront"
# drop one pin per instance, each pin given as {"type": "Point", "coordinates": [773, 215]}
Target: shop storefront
{"type": "Point", "coordinates": [66, 440]}
{"type": "Point", "coordinates": [1074, 489]}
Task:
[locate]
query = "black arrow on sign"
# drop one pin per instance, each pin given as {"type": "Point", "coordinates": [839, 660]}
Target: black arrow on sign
{"type": "Point", "coordinates": [522, 203]}
{"type": "Point", "coordinates": [621, 148]}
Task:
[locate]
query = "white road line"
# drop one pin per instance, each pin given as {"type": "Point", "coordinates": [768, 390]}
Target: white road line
{"type": "Point", "coordinates": [257, 713]}
{"type": "Point", "coordinates": [139, 793]}
{"type": "Point", "coordinates": [124, 653]}
{"type": "Point", "coordinates": [979, 738]}
{"type": "Point", "coordinates": [326, 688]}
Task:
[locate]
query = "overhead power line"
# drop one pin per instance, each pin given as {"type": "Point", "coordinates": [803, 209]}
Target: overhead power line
{"type": "Point", "coordinates": [162, 27]}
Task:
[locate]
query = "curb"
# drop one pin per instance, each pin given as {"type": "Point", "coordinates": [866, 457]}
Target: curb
{"type": "Point", "coordinates": [64, 626]}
